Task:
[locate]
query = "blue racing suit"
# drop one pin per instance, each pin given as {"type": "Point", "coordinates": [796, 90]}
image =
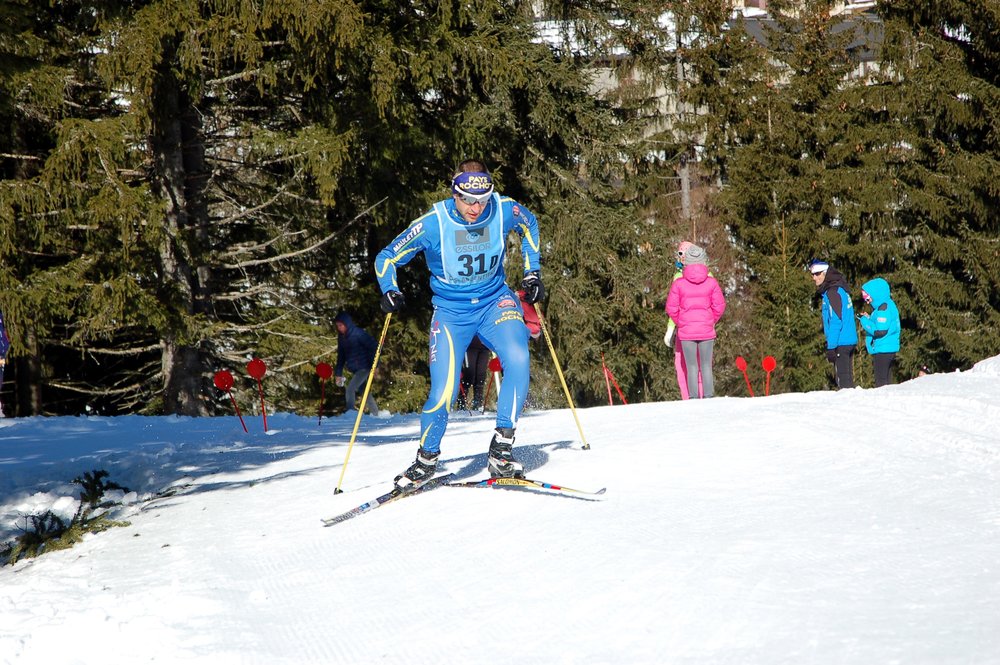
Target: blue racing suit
{"type": "Point", "coordinates": [471, 297]}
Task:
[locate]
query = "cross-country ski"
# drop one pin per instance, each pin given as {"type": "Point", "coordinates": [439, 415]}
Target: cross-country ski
{"type": "Point", "coordinates": [526, 484]}
{"type": "Point", "coordinates": [383, 499]}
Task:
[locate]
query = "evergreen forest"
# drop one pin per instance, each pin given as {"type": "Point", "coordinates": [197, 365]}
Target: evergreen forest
{"type": "Point", "coordinates": [186, 185]}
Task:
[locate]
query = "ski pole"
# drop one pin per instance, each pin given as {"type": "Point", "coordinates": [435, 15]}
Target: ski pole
{"type": "Point", "coordinates": [364, 400]}
{"type": "Point", "coordinates": [464, 396]}
{"type": "Point", "coordinates": [562, 379]}
{"type": "Point", "coordinates": [607, 381]}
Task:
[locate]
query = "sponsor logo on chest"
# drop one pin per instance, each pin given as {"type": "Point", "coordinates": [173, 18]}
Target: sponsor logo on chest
{"type": "Point", "coordinates": [473, 240]}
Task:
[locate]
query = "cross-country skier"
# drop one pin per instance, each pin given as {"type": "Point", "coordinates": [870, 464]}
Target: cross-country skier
{"type": "Point", "coordinates": [464, 239]}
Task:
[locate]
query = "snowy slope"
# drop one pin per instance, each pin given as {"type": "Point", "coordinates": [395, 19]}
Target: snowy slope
{"type": "Point", "coordinates": [853, 527]}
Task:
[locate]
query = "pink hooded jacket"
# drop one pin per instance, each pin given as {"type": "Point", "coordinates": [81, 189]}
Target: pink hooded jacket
{"type": "Point", "coordinates": [695, 302]}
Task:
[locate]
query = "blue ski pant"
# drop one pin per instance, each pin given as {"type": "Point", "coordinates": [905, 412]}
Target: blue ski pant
{"type": "Point", "coordinates": [499, 322]}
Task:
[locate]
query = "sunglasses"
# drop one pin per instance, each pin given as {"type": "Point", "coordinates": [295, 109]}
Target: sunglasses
{"type": "Point", "coordinates": [818, 273]}
{"type": "Point", "coordinates": [470, 199]}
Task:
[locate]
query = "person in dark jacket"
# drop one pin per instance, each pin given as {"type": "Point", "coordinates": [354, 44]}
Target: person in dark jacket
{"type": "Point", "coordinates": [355, 352]}
{"type": "Point", "coordinates": [838, 320]}
{"type": "Point", "coordinates": [475, 370]}
{"type": "Point", "coordinates": [4, 347]}
{"type": "Point", "coordinates": [881, 329]}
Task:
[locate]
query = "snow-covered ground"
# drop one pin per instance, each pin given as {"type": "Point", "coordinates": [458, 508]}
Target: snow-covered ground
{"type": "Point", "coordinates": [853, 527]}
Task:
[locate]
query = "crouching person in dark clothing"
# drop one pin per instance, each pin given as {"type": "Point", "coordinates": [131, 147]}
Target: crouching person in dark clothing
{"type": "Point", "coordinates": [356, 352]}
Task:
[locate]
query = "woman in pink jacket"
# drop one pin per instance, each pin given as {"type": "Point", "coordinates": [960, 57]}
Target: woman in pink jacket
{"type": "Point", "coordinates": [696, 303]}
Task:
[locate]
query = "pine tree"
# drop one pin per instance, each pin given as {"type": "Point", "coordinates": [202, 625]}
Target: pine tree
{"type": "Point", "coordinates": [223, 189]}
{"type": "Point", "coordinates": [640, 52]}
{"type": "Point", "coordinates": [881, 169]}
{"type": "Point", "coordinates": [186, 201]}
{"type": "Point", "coordinates": [776, 135]}
{"type": "Point", "coordinates": [42, 254]}
{"type": "Point", "coordinates": [941, 87]}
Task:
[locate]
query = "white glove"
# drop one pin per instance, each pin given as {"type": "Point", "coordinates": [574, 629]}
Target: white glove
{"type": "Point", "coordinates": [668, 338]}
{"type": "Point", "coordinates": [339, 381]}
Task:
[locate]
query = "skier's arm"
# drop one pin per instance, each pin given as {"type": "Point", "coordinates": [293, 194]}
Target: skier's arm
{"type": "Point", "coordinates": [399, 252]}
{"type": "Point", "coordinates": [526, 225]}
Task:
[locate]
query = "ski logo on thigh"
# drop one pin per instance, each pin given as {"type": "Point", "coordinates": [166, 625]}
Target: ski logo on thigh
{"type": "Point", "coordinates": [435, 331]}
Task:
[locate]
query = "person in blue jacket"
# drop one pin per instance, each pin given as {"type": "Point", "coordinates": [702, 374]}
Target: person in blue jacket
{"type": "Point", "coordinates": [4, 348]}
{"type": "Point", "coordinates": [355, 351]}
{"type": "Point", "coordinates": [881, 329]}
{"type": "Point", "coordinates": [838, 320]}
{"type": "Point", "coordinates": [464, 242]}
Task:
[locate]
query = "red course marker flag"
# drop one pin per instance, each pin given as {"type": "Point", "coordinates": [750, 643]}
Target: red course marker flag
{"type": "Point", "coordinates": [741, 364]}
{"type": "Point", "coordinates": [256, 368]}
{"type": "Point", "coordinates": [768, 363]}
{"type": "Point", "coordinates": [224, 382]}
{"type": "Point", "coordinates": [324, 371]}
{"type": "Point", "coordinates": [609, 378]}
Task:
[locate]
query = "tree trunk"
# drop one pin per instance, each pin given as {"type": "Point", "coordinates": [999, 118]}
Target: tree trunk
{"type": "Point", "coordinates": [684, 171]}
{"type": "Point", "coordinates": [28, 379]}
{"type": "Point", "coordinates": [178, 154]}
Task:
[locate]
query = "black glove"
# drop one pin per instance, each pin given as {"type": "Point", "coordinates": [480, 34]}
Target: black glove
{"type": "Point", "coordinates": [831, 355]}
{"type": "Point", "coordinates": [392, 302]}
{"type": "Point", "coordinates": [532, 287]}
